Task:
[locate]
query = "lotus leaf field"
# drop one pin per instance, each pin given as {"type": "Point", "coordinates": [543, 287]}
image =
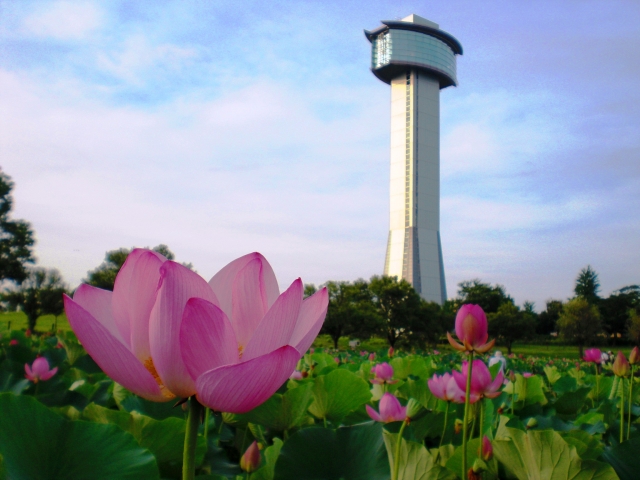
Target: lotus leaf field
{"type": "Point", "coordinates": [553, 420]}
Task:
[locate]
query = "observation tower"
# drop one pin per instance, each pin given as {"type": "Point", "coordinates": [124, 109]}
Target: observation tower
{"type": "Point", "coordinates": [417, 60]}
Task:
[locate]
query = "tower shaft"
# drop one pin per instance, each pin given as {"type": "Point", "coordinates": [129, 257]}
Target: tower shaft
{"type": "Point", "coordinates": [414, 251]}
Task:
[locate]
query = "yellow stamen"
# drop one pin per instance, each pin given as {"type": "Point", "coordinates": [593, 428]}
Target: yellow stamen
{"type": "Point", "coordinates": [240, 350]}
{"type": "Point", "coordinates": [148, 364]}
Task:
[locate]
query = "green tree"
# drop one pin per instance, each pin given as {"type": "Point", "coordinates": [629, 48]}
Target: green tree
{"type": "Point", "coordinates": [615, 310]}
{"type": "Point", "coordinates": [509, 324]}
{"type": "Point", "coordinates": [399, 307]}
{"type": "Point", "coordinates": [39, 294]}
{"type": "Point", "coordinates": [104, 276]}
{"type": "Point", "coordinates": [16, 238]}
{"type": "Point", "coordinates": [588, 285]}
{"type": "Point", "coordinates": [548, 318]}
{"type": "Point", "coordinates": [633, 326]}
{"type": "Point", "coordinates": [488, 297]}
{"type": "Point", "coordinates": [350, 311]}
{"type": "Point", "coordinates": [579, 322]}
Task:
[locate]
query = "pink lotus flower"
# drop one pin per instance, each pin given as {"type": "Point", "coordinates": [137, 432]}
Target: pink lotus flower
{"type": "Point", "coordinates": [240, 348]}
{"type": "Point", "coordinates": [390, 410]}
{"type": "Point", "coordinates": [372, 356]}
{"type": "Point", "coordinates": [115, 327]}
{"type": "Point", "coordinates": [527, 374]}
{"type": "Point", "coordinates": [471, 329]}
{"type": "Point", "coordinates": [13, 342]}
{"type": "Point", "coordinates": [481, 383]}
{"type": "Point", "coordinates": [445, 388]}
{"type": "Point", "coordinates": [593, 355]}
{"type": "Point", "coordinates": [621, 366]}
{"type": "Point", "coordinates": [39, 370]}
{"type": "Point", "coordinates": [383, 374]}
{"type": "Point", "coordinates": [250, 460]}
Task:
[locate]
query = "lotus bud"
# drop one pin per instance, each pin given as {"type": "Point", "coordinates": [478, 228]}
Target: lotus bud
{"type": "Point", "coordinates": [512, 376]}
{"type": "Point", "coordinates": [532, 423]}
{"type": "Point", "coordinates": [372, 357]}
{"type": "Point", "coordinates": [621, 366]}
{"type": "Point", "coordinates": [457, 426]}
{"type": "Point", "coordinates": [487, 449]}
{"type": "Point", "coordinates": [13, 342]}
{"type": "Point", "coordinates": [471, 329]}
{"type": "Point", "coordinates": [634, 356]}
{"type": "Point", "coordinates": [391, 351]}
{"type": "Point", "coordinates": [413, 408]}
{"type": "Point", "coordinates": [250, 461]}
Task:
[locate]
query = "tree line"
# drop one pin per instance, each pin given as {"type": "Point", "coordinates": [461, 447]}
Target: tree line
{"type": "Point", "coordinates": [382, 306]}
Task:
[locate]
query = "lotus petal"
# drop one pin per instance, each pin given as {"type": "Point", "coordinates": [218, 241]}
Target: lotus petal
{"type": "Point", "coordinates": [312, 314]}
{"type": "Point", "coordinates": [277, 326]}
{"type": "Point", "coordinates": [98, 303]}
{"type": "Point", "coordinates": [241, 387]}
{"type": "Point", "coordinates": [111, 355]}
{"type": "Point", "coordinates": [207, 339]}
{"type": "Point", "coordinates": [177, 285]}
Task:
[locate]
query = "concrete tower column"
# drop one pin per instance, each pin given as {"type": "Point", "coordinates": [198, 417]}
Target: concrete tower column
{"type": "Point", "coordinates": [416, 59]}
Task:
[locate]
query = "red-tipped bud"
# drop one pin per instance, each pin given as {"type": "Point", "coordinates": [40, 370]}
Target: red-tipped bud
{"type": "Point", "coordinates": [250, 461]}
{"type": "Point", "coordinates": [391, 352]}
{"type": "Point", "coordinates": [486, 450]}
{"type": "Point", "coordinates": [621, 366]}
{"type": "Point", "coordinates": [634, 356]}
{"type": "Point", "coordinates": [471, 329]}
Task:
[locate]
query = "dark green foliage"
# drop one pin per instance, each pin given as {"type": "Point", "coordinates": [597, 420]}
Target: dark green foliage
{"type": "Point", "coordinates": [40, 294]}
{"type": "Point", "coordinates": [509, 324]}
{"type": "Point", "coordinates": [548, 319]}
{"type": "Point", "coordinates": [579, 322]}
{"type": "Point", "coordinates": [16, 238]}
{"type": "Point", "coordinates": [615, 310]}
{"type": "Point", "coordinates": [488, 297]}
{"type": "Point", "coordinates": [351, 311]}
{"type": "Point", "coordinates": [588, 285]}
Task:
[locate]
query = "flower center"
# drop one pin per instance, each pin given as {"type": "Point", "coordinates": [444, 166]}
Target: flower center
{"type": "Point", "coordinates": [148, 364]}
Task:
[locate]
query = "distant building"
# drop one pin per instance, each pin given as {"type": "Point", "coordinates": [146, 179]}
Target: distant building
{"type": "Point", "coordinates": [416, 59]}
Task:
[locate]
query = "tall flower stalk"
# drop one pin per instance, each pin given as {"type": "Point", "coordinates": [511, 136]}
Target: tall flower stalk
{"type": "Point", "coordinates": [471, 329]}
{"type": "Point", "coordinates": [191, 440]}
{"type": "Point", "coordinates": [621, 368]}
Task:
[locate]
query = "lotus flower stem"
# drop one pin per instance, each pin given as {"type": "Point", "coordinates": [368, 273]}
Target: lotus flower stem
{"type": "Point", "coordinates": [190, 440]}
{"type": "Point", "coordinates": [206, 424]}
{"type": "Point", "coordinates": [465, 420]}
{"type": "Point", "coordinates": [481, 408]}
{"type": "Point", "coordinates": [630, 402]}
{"type": "Point", "coordinates": [622, 410]}
{"type": "Point", "coordinates": [396, 458]}
{"type": "Point", "coordinates": [444, 429]}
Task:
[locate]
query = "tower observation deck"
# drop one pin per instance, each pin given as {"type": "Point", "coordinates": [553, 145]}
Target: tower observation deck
{"type": "Point", "coordinates": [417, 60]}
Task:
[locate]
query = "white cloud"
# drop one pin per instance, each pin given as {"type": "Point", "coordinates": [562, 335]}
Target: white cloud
{"type": "Point", "coordinates": [64, 20]}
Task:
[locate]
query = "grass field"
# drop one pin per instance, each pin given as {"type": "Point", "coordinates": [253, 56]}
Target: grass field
{"type": "Point", "coordinates": [18, 321]}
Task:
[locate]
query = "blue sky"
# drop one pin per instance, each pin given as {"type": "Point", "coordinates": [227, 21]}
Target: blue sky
{"type": "Point", "coordinates": [221, 128]}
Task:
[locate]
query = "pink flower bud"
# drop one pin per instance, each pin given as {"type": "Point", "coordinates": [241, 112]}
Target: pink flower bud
{"type": "Point", "coordinates": [634, 356]}
{"type": "Point", "coordinates": [487, 449]}
{"type": "Point", "coordinates": [383, 374]}
{"type": "Point", "coordinates": [621, 366]}
{"type": "Point", "coordinates": [471, 329]}
{"type": "Point", "coordinates": [391, 352]}
{"type": "Point", "coordinates": [372, 357]}
{"type": "Point", "coordinates": [250, 461]}
{"type": "Point", "coordinates": [13, 342]}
